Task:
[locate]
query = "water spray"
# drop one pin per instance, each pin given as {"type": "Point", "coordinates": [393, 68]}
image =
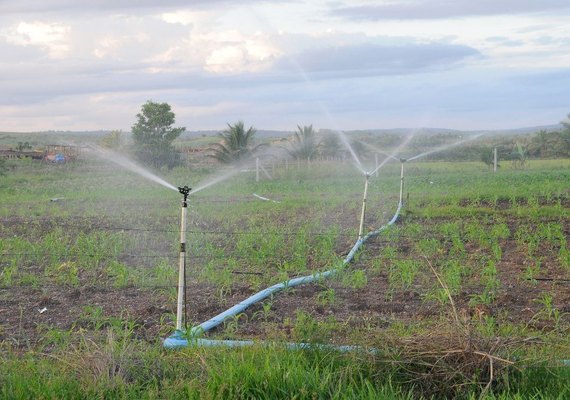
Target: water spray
{"type": "Point", "coordinates": [362, 215]}
{"type": "Point", "coordinates": [185, 191]}
{"type": "Point", "coordinates": [445, 147]}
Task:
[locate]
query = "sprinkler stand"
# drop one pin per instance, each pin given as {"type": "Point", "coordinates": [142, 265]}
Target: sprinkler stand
{"type": "Point", "coordinates": [185, 190]}
{"type": "Point", "coordinates": [362, 215]}
{"type": "Point", "coordinates": [402, 161]}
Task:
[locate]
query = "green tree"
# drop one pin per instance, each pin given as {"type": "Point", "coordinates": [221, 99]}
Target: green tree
{"type": "Point", "coordinates": [3, 168]}
{"type": "Point", "coordinates": [153, 135]}
{"type": "Point", "coordinates": [23, 146]}
{"type": "Point", "coordinates": [112, 140]}
{"type": "Point", "coordinates": [330, 145]}
{"type": "Point", "coordinates": [543, 143]}
{"type": "Point", "coordinates": [236, 144]}
{"type": "Point", "coordinates": [304, 145]}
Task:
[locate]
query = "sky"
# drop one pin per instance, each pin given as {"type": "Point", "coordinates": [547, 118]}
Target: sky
{"type": "Point", "coordinates": [335, 64]}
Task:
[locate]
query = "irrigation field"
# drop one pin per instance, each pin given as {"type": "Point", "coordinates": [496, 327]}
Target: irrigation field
{"type": "Point", "coordinates": [472, 280]}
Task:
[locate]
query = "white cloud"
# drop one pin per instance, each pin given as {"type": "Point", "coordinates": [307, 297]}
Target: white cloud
{"type": "Point", "coordinates": [113, 46]}
{"type": "Point", "coordinates": [183, 17]}
{"type": "Point", "coordinates": [52, 37]}
{"type": "Point", "coordinates": [106, 58]}
{"type": "Point", "coordinates": [231, 52]}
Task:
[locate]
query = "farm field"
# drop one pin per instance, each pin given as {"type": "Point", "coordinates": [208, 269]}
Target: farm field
{"type": "Point", "coordinates": [472, 280]}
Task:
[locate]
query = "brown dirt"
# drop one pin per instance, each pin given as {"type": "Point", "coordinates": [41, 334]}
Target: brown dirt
{"type": "Point", "coordinates": [28, 313]}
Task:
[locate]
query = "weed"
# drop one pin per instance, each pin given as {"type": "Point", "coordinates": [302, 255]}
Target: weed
{"type": "Point", "coordinates": [66, 273]}
{"type": "Point", "coordinates": [265, 311]}
{"type": "Point", "coordinates": [549, 311]}
{"type": "Point", "coordinates": [326, 297]}
{"type": "Point", "coordinates": [356, 279]}
{"type": "Point", "coordinates": [532, 272]}
{"type": "Point", "coordinates": [428, 247]}
{"type": "Point", "coordinates": [402, 273]}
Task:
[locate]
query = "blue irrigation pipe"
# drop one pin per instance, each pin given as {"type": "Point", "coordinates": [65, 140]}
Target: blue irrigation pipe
{"type": "Point", "coordinates": [182, 339]}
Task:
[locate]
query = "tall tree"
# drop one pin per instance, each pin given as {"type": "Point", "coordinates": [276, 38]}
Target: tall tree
{"type": "Point", "coordinates": [236, 144]}
{"type": "Point", "coordinates": [542, 143]}
{"type": "Point", "coordinates": [153, 135]}
{"type": "Point", "coordinates": [304, 145]}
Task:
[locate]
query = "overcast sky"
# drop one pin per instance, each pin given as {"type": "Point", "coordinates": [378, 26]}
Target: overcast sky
{"type": "Point", "coordinates": [339, 64]}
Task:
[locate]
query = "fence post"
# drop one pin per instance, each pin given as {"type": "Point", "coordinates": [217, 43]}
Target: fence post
{"type": "Point", "coordinates": [257, 169]}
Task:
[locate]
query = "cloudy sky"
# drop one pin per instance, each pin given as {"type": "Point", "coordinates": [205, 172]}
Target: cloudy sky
{"type": "Point", "coordinates": [340, 64]}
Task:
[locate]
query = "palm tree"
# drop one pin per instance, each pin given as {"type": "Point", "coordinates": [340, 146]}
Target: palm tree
{"type": "Point", "coordinates": [236, 144]}
{"type": "Point", "coordinates": [519, 156]}
{"type": "Point", "coordinates": [304, 145]}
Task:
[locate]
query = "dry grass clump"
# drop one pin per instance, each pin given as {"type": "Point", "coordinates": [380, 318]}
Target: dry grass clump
{"type": "Point", "coordinates": [454, 357]}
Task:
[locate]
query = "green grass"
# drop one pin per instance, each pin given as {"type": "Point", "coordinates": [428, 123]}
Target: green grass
{"type": "Point", "coordinates": [115, 229]}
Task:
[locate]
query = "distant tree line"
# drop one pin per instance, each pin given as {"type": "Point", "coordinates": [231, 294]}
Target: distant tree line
{"type": "Point", "coordinates": [153, 135]}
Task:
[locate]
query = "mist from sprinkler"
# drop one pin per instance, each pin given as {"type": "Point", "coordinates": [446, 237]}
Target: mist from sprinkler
{"type": "Point", "coordinates": [215, 180]}
{"type": "Point", "coordinates": [445, 147]}
{"type": "Point", "coordinates": [123, 161]}
{"type": "Point", "coordinates": [392, 156]}
{"type": "Point", "coordinates": [347, 144]}
{"type": "Point", "coordinates": [296, 65]}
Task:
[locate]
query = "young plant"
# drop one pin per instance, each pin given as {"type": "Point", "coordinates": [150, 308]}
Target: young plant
{"type": "Point", "coordinates": [356, 279]}
{"type": "Point", "coordinates": [326, 298]}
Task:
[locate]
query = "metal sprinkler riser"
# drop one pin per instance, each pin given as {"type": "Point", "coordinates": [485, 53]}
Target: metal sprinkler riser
{"type": "Point", "coordinates": [185, 191]}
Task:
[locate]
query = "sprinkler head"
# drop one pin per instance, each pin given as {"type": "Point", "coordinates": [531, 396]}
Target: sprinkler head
{"type": "Point", "coordinates": [403, 160]}
{"type": "Point", "coordinates": [184, 190]}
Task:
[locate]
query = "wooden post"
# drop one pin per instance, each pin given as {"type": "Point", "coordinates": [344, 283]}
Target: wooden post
{"type": "Point", "coordinates": [495, 159]}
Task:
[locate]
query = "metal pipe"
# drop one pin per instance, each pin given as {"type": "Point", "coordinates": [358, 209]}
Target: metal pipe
{"type": "Point", "coordinates": [402, 161]}
{"type": "Point", "coordinates": [185, 190]}
{"type": "Point", "coordinates": [363, 214]}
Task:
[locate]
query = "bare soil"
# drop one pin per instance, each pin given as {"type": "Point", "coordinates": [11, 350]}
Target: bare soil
{"type": "Point", "coordinates": [28, 313]}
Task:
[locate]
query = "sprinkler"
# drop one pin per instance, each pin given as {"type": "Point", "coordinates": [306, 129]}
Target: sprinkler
{"type": "Point", "coordinates": [361, 228]}
{"type": "Point", "coordinates": [184, 190]}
